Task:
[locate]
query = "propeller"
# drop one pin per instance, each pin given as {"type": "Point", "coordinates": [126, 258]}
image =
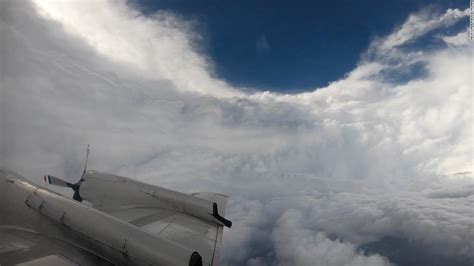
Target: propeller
{"type": "Point", "coordinates": [56, 181]}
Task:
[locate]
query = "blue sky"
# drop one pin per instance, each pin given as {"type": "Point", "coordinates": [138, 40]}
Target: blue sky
{"type": "Point", "coordinates": [289, 46]}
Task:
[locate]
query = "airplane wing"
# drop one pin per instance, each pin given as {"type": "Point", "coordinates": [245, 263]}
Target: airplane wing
{"type": "Point", "coordinates": [22, 242]}
{"type": "Point", "coordinates": [184, 230]}
{"type": "Point", "coordinates": [192, 221]}
{"type": "Point", "coordinates": [128, 223]}
{"type": "Point", "coordinates": [24, 247]}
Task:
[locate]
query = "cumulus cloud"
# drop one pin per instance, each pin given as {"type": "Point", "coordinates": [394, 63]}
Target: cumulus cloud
{"type": "Point", "coordinates": [421, 23]}
{"type": "Point", "coordinates": [462, 38]}
{"type": "Point", "coordinates": [158, 46]}
{"type": "Point", "coordinates": [313, 177]}
{"type": "Point", "coordinates": [296, 245]}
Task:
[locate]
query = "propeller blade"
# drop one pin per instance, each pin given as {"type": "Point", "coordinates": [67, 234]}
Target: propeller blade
{"type": "Point", "coordinates": [52, 180]}
{"type": "Point", "coordinates": [87, 158]}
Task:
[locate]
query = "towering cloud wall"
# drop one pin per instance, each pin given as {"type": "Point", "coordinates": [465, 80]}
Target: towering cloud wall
{"type": "Point", "coordinates": [320, 176]}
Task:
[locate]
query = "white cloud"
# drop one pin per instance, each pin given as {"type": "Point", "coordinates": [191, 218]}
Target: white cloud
{"type": "Point", "coordinates": [421, 23]}
{"type": "Point", "coordinates": [462, 38]}
{"type": "Point", "coordinates": [360, 159]}
{"type": "Point", "coordinates": [161, 46]}
{"type": "Point", "coordinates": [392, 49]}
{"type": "Point", "coordinates": [296, 245]}
{"type": "Point", "coordinates": [442, 224]}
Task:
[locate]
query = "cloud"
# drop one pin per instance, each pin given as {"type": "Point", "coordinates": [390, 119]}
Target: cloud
{"type": "Point", "coordinates": [421, 23]}
{"type": "Point", "coordinates": [158, 46]}
{"type": "Point", "coordinates": [262, 46]}
{"type": "Point", "coordinates": [394, 50]}
{"type": "Point", "coordinates": [326, 171]}
{"type": "Point", "coordinates": [462, 38]}
{"type": "Point", "coordinates": [296, 245]}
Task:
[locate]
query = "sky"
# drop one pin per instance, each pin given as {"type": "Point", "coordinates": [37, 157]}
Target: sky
{"type": "Point", "coordinates": [289, 46]}
{"type": "Point", "coordinates": [370, 166]}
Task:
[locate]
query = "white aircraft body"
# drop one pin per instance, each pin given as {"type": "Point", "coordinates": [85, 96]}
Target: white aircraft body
{"type": "Point", "coordinates": [111, 220]}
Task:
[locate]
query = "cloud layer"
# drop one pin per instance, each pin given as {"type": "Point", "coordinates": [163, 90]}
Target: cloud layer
{"type": "Point", "coordinates": [313, 177]}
